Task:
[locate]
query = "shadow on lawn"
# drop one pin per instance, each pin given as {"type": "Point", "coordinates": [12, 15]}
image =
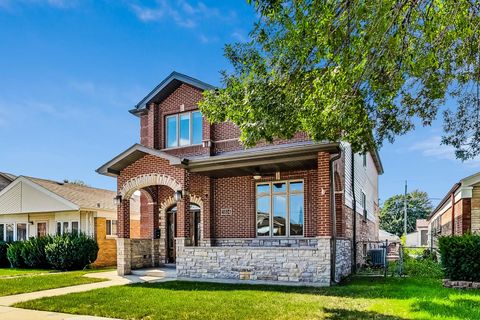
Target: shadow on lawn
{"type": "Point", "coordinates": [458, 308]}
{"type": "Point", "coordinates": [343, 314]}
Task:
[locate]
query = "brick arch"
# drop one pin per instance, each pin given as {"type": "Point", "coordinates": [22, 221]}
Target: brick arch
{"type": "Point", "coordinates": [146, 180]}
{"type": "Point", "coordinates": [171, 201]}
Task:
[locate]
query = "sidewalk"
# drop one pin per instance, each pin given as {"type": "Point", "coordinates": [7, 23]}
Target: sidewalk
{"type": "Point", "coordinates": [139, 276]}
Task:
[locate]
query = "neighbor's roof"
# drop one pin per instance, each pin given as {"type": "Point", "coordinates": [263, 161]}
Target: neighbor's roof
{"type": "Point", "coordinates": [422, 223]}
{"type": "Point", "coordinates": [83, 196]}
{"type": "Point", "coordinates": [8, 176]}
{"type": "Point", "coordinates": [385, 235]}
{"type": "Point", "coordinates": [166, 87]}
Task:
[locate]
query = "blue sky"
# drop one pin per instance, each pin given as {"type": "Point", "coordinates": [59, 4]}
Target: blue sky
{"type": "Point", "coordinates": [70, 70]}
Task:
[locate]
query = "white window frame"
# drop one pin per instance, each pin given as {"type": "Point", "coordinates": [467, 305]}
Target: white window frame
{"type": "Point", "coordinates": [287, 194]}
{"type": "Point", "coordinates": [15, 230]}
{"type": "Point", "coordinates": [364, 204]}
{"type": "Point", "coordinates": [110, 235]}
{"type": "Point", "coordinates": [190, 129]}
{"type": "Point", "coordinates": [69, 226]}
{"type": "Point", "coordinates": [36, 227]}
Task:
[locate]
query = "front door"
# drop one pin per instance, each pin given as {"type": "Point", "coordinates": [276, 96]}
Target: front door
{"type": "Point", "coordinates": [171, 229]}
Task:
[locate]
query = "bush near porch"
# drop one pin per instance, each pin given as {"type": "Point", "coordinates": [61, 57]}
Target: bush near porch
{"type": "Point", "coordinates": [61, 252]}
{"type": "Point", "coordinates": [461, 257]}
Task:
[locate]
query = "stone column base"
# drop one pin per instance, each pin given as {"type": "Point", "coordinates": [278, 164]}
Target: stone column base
{"type": "Point", "coordinates": [124, 256]}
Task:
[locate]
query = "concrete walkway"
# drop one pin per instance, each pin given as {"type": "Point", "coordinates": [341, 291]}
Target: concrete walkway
{"type": "Point", "coordinates": [138, 276]}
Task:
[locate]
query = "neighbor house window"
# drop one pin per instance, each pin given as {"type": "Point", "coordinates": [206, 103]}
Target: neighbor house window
{"type": "Point", "coordinates": [68, 227]}
{"type": "Point", "coordinates": [280, 208]}
{"type": "Point", "coordinates": [111, 226]}
{"type": "Point", "coordinates": [41, 229]}
{"type": "Point", "coordinates": [9, 232]}
{"type": "Point", "coordinates": [75, 227]}
{"type": "Point", "coordinates": [2, 232]}
{"type": "Point", "coordinates": [364, 159]}
{"type": "Point", "coordinates": [21, 231]}
{"type": "Point", "coordinates": [183, 129]}
{"type": "Point", "coordinates": [364, 204]}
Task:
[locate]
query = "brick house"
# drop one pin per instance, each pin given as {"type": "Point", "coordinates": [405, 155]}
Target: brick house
{"type": "Point", "coordinates": [461, 217]}
{"type": "Point", "coordinates": [276, 212]}
{"type": "Point", "coordinates": [34, 207]}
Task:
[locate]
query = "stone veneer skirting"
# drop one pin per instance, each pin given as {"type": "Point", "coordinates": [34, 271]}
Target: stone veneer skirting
{"type": "Point", "coordinates": [309, 265]}
{"type": "Point", "coordinates": [343, 259]}
{"type": "Point", "coordinates": [447, 283]}
{"type": "Point", "coordinates": [266, 242]}
{"type": "Point", "coordinates": [136, 254]}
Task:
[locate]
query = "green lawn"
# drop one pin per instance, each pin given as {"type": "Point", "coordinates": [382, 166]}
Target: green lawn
{"type": "Point", "coordinates": [29, 282]}
{"type": "Point", "coordinates": [10, 272]}
{"type": "Point", "coordinates": [362, 298]}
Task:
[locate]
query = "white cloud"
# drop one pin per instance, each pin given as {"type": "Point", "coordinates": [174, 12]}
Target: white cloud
{"type": "Point", "coordinates": [61, 4]}
{"type": "Point", "coordinates": [181, 12]}
{"type": "Point", "coordinates": [433, 148]}
{"type": "Point", "coordinates": [239, 35]}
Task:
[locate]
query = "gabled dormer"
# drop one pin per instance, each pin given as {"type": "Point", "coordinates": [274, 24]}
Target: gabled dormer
{"type": "Point", "coordinates": [170, 119]}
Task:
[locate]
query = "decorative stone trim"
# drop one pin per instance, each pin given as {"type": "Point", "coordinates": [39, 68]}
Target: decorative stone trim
{"type": "Point", "coordinates": [447, 283]}
{"type": "Point", "coordinates": [146, 180]}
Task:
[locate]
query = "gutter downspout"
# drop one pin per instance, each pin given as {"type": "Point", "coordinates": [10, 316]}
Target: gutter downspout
{"type": "Point", "coordinates": [453, 212]}
{"type": "Point", "coordinates": [333, 217]}
{"type": "Point", "coordinates": [354, 206]}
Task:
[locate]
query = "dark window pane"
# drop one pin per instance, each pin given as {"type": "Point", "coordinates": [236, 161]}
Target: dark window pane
{"type": "Point", "coordinates": [9, 232]}
{"type": "Point", "coordinates": [296, 186]}
{"type": "Point", "coordinates": [59, 228]}
{"type": "Point", "coordinates": [196, 127]}
{"type": "Point", "coordinates": [296, 214]}
{"type": "Point", "coordinates": [65, 227]}
{"type": "Point", "coordinates": [21, 231]}
{"type": "Point", "coordinates": [2, 232]}
{"type": "Point", "coordinates": [171, 131]}
{"type": "Point", "coordinates": [109, 227]}
{"type": "Point", "coordinates": [263, 216]}
{"type": "Point", "coordinates": [41, 229]}
{"type": "Point", "coordinates": [280, 187]}
{"type": "Point", "coordinates": [75, 227]}
{"type": "Point", "coordinates": [279, 215]}
{"type": "Point", "coordinates": [263, 188]}
{"type": "Point", "coordinates": [185, 129]}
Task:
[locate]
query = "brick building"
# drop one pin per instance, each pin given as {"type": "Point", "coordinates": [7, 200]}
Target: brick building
{"type": "Point", "coordinates": [461, 217]}
{"type": "Point", "coordinates": [280, 212]}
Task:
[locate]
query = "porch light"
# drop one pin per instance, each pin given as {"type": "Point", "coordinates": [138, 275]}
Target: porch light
{"type": "Point", "coordinates": [257, 177]}
{"type": "Point", "coordinates": [117, 200]}
{"type": "Point", "coordinates": [178, 195]}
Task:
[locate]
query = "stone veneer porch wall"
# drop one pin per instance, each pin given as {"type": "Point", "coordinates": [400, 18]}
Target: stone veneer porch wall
{"type": "Point", "coordinates": [301, 264]}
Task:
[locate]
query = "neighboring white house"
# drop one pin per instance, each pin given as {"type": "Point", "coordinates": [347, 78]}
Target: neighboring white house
{"type": "Point", "coordinates": [418, 238]}
{"type": "Point", "coordinates": [32, 207]}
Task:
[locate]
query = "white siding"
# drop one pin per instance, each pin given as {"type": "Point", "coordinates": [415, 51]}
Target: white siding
{"type": "Point", "coordinates": [366, 180]}
{"type": "Point", "coordinates": [22, 197]}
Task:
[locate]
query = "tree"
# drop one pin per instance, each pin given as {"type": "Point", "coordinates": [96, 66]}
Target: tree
{"type": "Point", "coordinates": [392, 212]}
{"type": "Point", "coordinates": [357, 71]}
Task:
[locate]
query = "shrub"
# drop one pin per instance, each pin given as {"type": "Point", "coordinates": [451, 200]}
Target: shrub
{"type": "Point", "coordinates": [14, 254]}
{"type": "Point", "coordinates": [33, 252]}
{"type": "Point", "coordinates": [460, 257]}
{"type": "Point", "coordinates": [71, 251]}
{"type": "Point", "coordinates": [3, 254]}
{"type": "Point", "coordinates": [422, 268]}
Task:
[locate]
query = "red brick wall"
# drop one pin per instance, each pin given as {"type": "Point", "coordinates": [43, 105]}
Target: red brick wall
{"type": "Point", "coordinates": [107, 247]}
{"type": "Point", "coordinates": [462, 220]}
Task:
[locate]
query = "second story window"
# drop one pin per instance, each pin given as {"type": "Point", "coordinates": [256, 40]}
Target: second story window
{"type": "Point", "coordinates": [183, 129]}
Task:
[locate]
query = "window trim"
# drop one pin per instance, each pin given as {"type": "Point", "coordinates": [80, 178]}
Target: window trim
{"type": "Point", "coordinates": [69, 226]}
{"type": "Point", "coordinates": [271, 194]}
{"type": "Point", "coordinates": [36, 227]}
{"type": "Point", "coordinates": [106, 224]}
{"type": "Point", "coordinates": [190, 129]}
{"type": "Point", "coordinates": [15, 231]}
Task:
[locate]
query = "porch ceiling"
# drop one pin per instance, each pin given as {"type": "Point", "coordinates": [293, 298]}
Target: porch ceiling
{"type": "Point", "coordinates": [264, 160]}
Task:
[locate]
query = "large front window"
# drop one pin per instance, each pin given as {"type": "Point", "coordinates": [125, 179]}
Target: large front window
{"type": "Point", "coordinates": [280, 208]}
{"type": "Point", "coordinates": [183, 129]}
